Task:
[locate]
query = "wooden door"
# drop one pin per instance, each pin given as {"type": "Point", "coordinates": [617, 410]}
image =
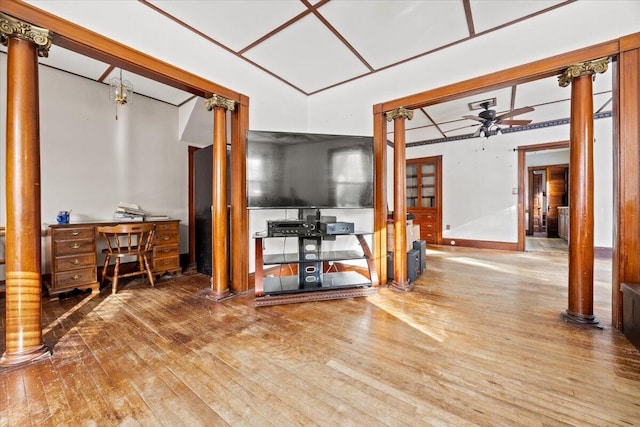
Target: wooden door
{"type": "Point", "coordinates": [557, 187]}
{"type": "Point", "coordinates": [424, 197]}
{"type": "Point", "coordinates": [537, 205]}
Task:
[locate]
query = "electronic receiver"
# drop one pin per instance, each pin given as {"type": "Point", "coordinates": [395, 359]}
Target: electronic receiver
{"type": "Point", "coordinates": [285, 228]}
{"type": "Point", "coordinates": [336, 227]}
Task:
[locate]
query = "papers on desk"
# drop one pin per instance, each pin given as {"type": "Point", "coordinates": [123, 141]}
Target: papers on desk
{"type": "Point", "coordinates": [132, 212]}
{"type": "Point", "coordinates": [128, 212]}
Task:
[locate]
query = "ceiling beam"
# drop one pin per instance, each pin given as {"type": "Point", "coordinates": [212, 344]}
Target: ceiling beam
{"type": "Point", "coordinates": [85, 42]}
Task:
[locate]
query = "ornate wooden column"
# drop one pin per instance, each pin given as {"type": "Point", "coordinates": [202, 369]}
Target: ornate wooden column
{"type": "Point", "coordinates": [398, 116]}
{"type": "Point", "coordinates": [23, 332]}
{"type": "Point", "coordinates": [380, 193]}
{"type": "Point", "coordinates": [581, 244]}
{"type": "Point", "coordinates": [219, 215]}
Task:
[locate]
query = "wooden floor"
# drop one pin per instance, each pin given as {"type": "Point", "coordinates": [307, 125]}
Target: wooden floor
{"type": "Point", "coordinates": [545, 244]}
{"type": "Point", "coordinates": [478, 341]}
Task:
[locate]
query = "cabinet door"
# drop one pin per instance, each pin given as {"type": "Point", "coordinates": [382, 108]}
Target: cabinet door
{"type": "Point", "coordinates": [412, 186]}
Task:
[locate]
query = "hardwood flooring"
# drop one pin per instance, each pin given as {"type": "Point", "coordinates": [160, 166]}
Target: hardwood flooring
{"type": "Point", "coordinates": [478, 341]}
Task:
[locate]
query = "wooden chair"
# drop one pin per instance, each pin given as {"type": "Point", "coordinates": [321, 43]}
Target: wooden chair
{"type": "Point", "coordinates": [127, 240]}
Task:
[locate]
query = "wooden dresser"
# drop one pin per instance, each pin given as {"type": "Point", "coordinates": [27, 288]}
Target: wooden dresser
{"type": "Point", "coordinates": [72, 253]}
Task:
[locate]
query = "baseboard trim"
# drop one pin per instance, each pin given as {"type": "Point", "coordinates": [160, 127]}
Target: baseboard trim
{"type": "Point", "coordinates": [481, 244]}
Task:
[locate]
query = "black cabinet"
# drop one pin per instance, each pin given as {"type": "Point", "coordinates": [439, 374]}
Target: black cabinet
{"type": "Point", "coordinates": [202, 189]}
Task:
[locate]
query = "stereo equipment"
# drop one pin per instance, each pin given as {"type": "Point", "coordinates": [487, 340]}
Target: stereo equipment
{"type": "Point", "coordinates": [421, 247]}
{"type": "Point", "coordinates": [294, 227]}
{"type": "Point", "coordinates": [413, 265]}
{"type": "Point", "coordinates": [310, 268]}
{"type": "Point", "coordinates": [336, 227]}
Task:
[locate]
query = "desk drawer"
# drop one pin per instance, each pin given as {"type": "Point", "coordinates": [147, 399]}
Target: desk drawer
{"type": "Point", "coordinates": [71, 279]}
{"type": "Point", "coordinates": [74, 233]}
{"type": "Point", "coordinates": [164, 264]}
{"type": "Point", "coordinates": [73, 247]}
{"type": "Point", "coordinates": [65, 263]}
{"type": "Point", "coordinates": [164, 227]}
{"type": "Point", "coordinates": [166, 251]}
{"type": "Point", "coordinates": [166, 238]}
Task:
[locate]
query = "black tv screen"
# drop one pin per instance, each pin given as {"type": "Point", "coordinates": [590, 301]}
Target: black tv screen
{"type": "Point", "coordinates": [302, 170]}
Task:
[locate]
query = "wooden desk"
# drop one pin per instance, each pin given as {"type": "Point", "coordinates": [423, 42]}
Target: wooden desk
{"type": "Point", "coordinates": [72, 252]}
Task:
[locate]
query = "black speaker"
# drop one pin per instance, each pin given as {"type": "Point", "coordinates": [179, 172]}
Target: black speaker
{"type": "Point", "coordinates": [310, 267]}
{"type": "Point", "coordinates": [421, 247]}
{"type": "Point", "coordinates": [413, 265]}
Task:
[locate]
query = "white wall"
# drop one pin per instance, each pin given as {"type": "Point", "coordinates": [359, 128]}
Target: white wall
{"type": "Point", "coordinates": [478, 202]}
{"type": "Point", "coordinates": [90, 161]}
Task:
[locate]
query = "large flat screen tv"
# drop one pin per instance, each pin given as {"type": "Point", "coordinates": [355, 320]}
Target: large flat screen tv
{"type": "Point", "coordinates": [302, 170]}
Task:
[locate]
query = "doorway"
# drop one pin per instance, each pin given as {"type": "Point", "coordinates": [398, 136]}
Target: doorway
{"type": "Point", "coordinates": [548, 193]}
{"type": "Point", "coordinates": [543, 174]}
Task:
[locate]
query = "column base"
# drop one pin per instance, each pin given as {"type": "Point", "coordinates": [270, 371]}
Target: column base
{"type": "Point", "coordinates": [10, 360]}
{"type": "Point", "coordinates": [401, 286]}
{"type": "Point", "coordinates": [220, 296]}
{"type": "Point", "coordinates": [579, 319]}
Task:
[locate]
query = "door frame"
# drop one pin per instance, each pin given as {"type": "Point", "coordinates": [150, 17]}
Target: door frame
{"type": "Point", "coordinates": [522, 173]}
{"type": "Point", "coordinates": [529, 196]}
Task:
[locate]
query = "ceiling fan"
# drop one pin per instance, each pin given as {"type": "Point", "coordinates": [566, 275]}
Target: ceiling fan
{"type": "Point", "coordinates": [490, 122]}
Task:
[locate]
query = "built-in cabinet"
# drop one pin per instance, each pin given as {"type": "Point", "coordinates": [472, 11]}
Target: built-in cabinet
{"type": "Point", "coordinates": [424, 196]}
{"type": "Point", "coordinates": [563, 222]}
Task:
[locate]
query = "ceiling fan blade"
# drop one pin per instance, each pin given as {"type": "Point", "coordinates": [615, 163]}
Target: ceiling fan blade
{"type": "Point", "coordinates": [515, 112]}
{"type": "Point", "coordinates": [513, 122]}
{"type": "Point", "coordinates": [480, 119]}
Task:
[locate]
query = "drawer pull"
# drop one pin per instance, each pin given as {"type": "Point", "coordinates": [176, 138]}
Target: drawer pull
{"type": "Point", "coordinates": [75, 277]}
{"type": "Point", "coordinates": [75, 246]}
{"type": "Point", "coordinates": [164, 251]}
{"type": "Point", "coordinates": [75, 233]}
{"type": "Point", "coordinates": [75, 261]}
{"type": "Point", "coordinates": [166, 238]}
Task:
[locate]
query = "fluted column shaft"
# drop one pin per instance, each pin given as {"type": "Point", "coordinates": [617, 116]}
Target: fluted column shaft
{"type": "Point", "coordinates": [23, 329]}
{"type": "Point", "coordinates": [219, 214]}
{"type": "Point", "coordinates": [400, 280]}
{"type": "Point", "coordinates": [581, 240]}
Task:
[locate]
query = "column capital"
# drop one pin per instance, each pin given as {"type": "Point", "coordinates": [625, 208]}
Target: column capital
{"type": "Point", "coordinates": [11, 27]}
{"type": "Point", "coordinates": [399, 113]}
{"type": "Point", "coordinates": [583, 69]}
{"type": "Point", "coordinates": [217, 101]}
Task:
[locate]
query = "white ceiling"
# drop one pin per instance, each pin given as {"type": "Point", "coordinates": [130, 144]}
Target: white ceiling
{"type": "Point", "coordinates": [314, 45]}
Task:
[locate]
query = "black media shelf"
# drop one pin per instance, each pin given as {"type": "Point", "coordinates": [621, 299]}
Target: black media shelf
{"type": "Point", "coordinates": [290, 258]}
{"type": "Point", "coordinates": [311, 279]}
{"type": "Point", "coordinates": [290, 284]}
